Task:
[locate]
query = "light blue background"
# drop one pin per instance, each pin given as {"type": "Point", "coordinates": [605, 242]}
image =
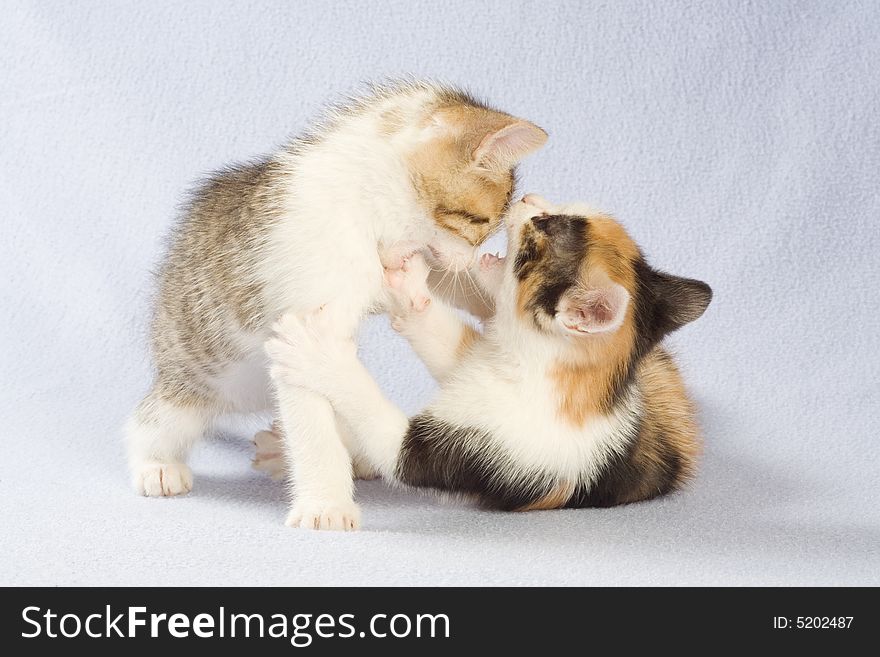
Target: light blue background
{"type": "Point", "coordinates": [738, 142]}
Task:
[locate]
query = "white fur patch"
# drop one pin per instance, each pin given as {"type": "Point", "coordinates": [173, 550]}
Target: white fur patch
{"type": "Point", "coordinates": [503, 389]}
{"type": "Point", "coordinates": [159, 437]}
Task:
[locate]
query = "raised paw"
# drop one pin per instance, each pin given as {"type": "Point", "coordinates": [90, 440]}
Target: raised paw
{"type": "Point", "coordinates": [489, 261]}
{"type": "Point", "coordinates": [490, 272]}
{"type": "Point", "coordinates": [407, 286]}
{"type": "Point", "coordinates": [301, 347]}
{"type": "Point", "coordinates": [289, 339]}
{"type": "Point", "coordinates": [163, 479]}
{"type": "Point", "coordinates": [317, 514]}
{"type": "Point", "coordinates": [416, 268]}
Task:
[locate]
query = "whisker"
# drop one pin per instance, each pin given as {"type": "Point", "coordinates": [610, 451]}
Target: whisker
{"type": "Point", "coordinates": [441, 281]}
{"type": "Point", "coordinates": [476, 287]}
{"type": "Point", "coordinates": [469, 282]}
{"type": "Point", "coordinates": [460, 286]}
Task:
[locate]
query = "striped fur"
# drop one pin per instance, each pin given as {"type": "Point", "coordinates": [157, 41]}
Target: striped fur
{"type": "Point", "coordinates": [406, 166]}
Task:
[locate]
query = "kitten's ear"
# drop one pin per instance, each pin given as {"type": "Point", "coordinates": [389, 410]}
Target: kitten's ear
{"type": "Point", "coordinates": [502, 148]}
{"type": "Point", "coordinates": [679, 301]}
{"type": "Point", "coordinates": [594, 310]}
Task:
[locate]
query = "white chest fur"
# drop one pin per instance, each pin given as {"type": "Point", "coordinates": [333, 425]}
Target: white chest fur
{"type": "Point", "coordinates": [518, 406]}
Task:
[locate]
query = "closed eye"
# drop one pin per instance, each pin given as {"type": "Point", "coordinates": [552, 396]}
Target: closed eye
{"type": "Point", "coordinates": [473, 218]}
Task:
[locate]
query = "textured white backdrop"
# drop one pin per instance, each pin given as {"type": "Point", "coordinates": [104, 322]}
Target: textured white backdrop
{"type": "Point", "coordinates": [738, 141]}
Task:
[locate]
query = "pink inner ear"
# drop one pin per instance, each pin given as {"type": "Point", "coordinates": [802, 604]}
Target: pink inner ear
{"type": "Point", "coordinates": [595, 311]}
{"type": "Point", "coordinates": [507, 146]}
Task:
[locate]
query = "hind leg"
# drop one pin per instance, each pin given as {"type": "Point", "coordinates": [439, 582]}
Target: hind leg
{"type": "Point", "coordinates": [159, 436]}
{"type": "Point", "coordinates": [269, 454]}
{"type": "Point", "coordinates": [360, 466]}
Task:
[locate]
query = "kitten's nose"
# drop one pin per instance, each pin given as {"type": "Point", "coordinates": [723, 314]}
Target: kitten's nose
{"type": "Point", "coordinates": [536, 201]}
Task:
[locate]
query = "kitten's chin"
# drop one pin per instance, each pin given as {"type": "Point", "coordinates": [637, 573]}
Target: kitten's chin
{"type": "Point", "coordinates": [394, 256]}
{"type": "Point", "coordinates": [455, 260]}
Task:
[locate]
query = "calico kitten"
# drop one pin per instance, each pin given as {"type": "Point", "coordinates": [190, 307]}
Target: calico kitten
{"type": "Point", "coordinates": [410, 166]}
{"type": "Point", "coordinates": [566, 400]}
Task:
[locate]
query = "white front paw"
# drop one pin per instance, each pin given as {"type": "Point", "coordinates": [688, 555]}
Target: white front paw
{"type": "Point", "coordinates": [306, 350]}
{"type": "Point", "coordinates": [490, 272]}
{"type": "Point", "coordinates": [163, 479]}
{"type": "Point", "coordinates": [343, 515]}
{"type": "Point", "coordinates": [407, 289]}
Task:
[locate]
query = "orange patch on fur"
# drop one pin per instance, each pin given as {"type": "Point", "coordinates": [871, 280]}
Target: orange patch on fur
{"type": "Point", "coordinates": [527, 288]}
{"type": "Point", "coordinates": [585, 384]}
{"type": "Point", "coordinates": [469, 335]}
{"type": "Point", "coordinates": [525, 292]}
{"type": "Point", "coordinates": [612, 249]}
{"type": "Point", "coordinates": [669, 426]}
{"type": "Point", "coordinates": [584, 390]}
{"type": "Point", "coordinates": [668, 441]}
{"type": "Point", "coordinates": [449, 187]}
{"type": "Point", "coordinates": [555, 499]}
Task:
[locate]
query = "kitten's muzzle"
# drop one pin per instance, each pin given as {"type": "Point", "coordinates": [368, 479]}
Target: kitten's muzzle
{"type": "Point", "coordinates": [530, 205]}
{"type": "Point", "coordinates": [454, 261]}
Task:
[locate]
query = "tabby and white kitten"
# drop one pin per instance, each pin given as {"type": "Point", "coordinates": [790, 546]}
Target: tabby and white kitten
{"type": "Point", "coordinates": [566, 400]}
{"type": "Point", "coordinates": [411, 166]}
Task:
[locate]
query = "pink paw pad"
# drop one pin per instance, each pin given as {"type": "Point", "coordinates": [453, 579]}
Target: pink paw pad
{"type": "Point", "coordinates": [489, 260]}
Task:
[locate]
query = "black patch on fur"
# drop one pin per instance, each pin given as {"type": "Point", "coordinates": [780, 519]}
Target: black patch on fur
{"type": "Point", "coordinates": [553, 248]}
{"type": "Point", "coordinates": [664, 303]}
{"type": "Point", "coordinates": [465, 460]}
{"type": "Point", "coordinates": [625, 479]}
{"type": "Point", "coordinates": [565, 246]}
{"type": "Point", "coordinates": [620, 383]}
{"type": "Point", "coordinates": [526, 256]}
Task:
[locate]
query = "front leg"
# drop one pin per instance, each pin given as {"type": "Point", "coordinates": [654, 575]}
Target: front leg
{"type": "Point", "coordinates": [270, 457]}
{"type": "Point", "coordinates": [317, 460]}
{"type": "Point", "coordinates": [305, 354]}
{"type": "Point", "coordinates": [439, 336]}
